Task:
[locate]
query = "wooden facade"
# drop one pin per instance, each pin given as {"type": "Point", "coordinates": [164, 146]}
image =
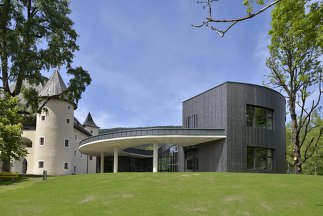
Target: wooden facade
{"type": "Point", "coordinates": [224, 107]}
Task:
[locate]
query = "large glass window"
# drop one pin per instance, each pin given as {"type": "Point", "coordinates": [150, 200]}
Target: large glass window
{"type": "Point", "coordinates": [168, 158]}
{"type": "Point", "coordinates": [259, 117]}
{"type": "Point", "coordinates": [260, 158]}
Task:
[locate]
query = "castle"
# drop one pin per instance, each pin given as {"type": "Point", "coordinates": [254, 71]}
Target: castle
{"type": "Point", "coordinates": [52, 141]}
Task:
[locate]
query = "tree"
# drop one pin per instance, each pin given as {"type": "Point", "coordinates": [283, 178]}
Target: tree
{"type": "Point", "coordinates": [37, 36]}
{"type": "Point", "coordinates": [295, 69]}
{"type": "Point", "coordinates": [313, 165]}
{"type": "Point", "coordinates": [10, 130]}
{"type": "Point", "coordinates": [214, 24]}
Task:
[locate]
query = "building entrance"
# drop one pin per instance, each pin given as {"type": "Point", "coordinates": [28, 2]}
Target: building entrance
{"type": "Point", "coordinates": [191, 159]}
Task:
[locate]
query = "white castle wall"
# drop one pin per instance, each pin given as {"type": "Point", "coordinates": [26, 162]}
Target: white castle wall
{"type": "Point", "coordinates": [17, 165]}
{"type": "Point", "coordinates": [55, 130]}
{"type": "Point", "coordinates": [82, 163]}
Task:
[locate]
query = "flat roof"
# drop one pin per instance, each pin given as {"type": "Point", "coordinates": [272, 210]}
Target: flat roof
{"type": "Point", "coordinates": [240, 83]}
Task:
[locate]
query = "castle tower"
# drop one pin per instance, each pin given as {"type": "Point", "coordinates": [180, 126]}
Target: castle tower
{"type": "Point", "coordinates": [54, 130]}
{"type": "Point", "coordinates": [90, 126]}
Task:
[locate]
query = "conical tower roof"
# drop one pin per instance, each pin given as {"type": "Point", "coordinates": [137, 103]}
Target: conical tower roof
{"type": "Point", "coordinates": [89, 121]}
{"type": "Point", "coordinates": [54, 86]}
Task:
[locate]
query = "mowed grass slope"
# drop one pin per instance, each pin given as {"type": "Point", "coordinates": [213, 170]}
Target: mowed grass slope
{"type": "Point", "coordinates": [165, 194]}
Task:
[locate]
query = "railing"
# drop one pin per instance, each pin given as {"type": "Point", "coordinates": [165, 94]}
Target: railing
{"type": "Point", "coordinates": [154, 132]}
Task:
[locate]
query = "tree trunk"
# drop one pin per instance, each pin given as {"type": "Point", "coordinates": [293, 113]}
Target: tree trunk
{"type": "Point", "coordinates": [6, 165]}
{"type": "Point", "coordinates": [296, 142]}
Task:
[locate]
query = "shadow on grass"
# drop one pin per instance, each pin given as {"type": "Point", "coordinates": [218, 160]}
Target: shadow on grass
{"type": "Point", "coordinates": [22, 178]}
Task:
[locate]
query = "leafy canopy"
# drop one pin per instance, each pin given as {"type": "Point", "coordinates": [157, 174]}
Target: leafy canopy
{"type": "Point", "coordinates": [296, 69]}
{"type": "Point", "coordinates": [10, 129]}
{"type": "Point", "coordinates": [37, 36]}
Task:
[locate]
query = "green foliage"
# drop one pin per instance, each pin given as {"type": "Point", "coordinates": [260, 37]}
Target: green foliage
{"type": "Point", "coordinates": [314, 165]}
{"type": "Point", "coordinates": [77, 85]}
{"type": "Point", "coordinates": [296, 69]}
{"type": "Point", "coordinates": [10, 129]}
{"type": "Point", "coordinates": [37, 36]}
{"type": "Point", "coordinates": [250, 4]}
{"type": "Point", "coordinates": [295, 42]}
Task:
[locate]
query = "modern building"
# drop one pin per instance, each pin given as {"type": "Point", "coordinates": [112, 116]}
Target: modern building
{"type": "Point", "coordinates": [52, 139]}
{"type": "Point", "coordinates": [234, 127]}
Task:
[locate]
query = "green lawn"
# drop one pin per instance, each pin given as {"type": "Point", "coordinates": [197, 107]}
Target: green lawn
{"type": "Point", "coordinates": [165, 194]}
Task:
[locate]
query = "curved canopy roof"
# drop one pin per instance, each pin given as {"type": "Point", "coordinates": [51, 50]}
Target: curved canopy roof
{"type": "Point", "coordinates": [125, 139]}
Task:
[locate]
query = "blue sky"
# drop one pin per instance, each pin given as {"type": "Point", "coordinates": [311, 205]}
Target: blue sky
{"type": "Point", "coordinates": [145, 58]}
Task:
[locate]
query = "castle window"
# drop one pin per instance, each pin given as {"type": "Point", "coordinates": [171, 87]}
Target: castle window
{"type": "Point", "coordinates": [91, 131]}
{"type": "Point", "coordinates": [260, 117]}
{"type": "Point", "coordinates": [260, 158]}
{"type": "Point", "coordinates": [67, 121]}
{"type": "Point", "coordinates": [66, 143]}
{"type": "Point", "coordinates": [68, 107]}
{"type": "Point", "coordinates": [43, 118]}
{"type": "Point", "coordinates": [42, 141]}
{"type": "Point", "coordinates": [75, 136]}
{"type": "Point", "coordinates": [75, 153]}
{"type": "Point", "coordinates": [66, 165]}
{"type": "Point", "coordinates": [40, 164]}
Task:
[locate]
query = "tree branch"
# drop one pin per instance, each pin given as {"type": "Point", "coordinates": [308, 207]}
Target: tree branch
{"type": "Point", "coordinates": [306, 156]}
{"type": "Point", "coordinates": [48, 99]}
{"type": "Point", "coordinates": [221, 32]}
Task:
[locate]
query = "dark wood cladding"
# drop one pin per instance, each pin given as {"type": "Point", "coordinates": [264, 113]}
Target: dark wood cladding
{"type": "Point", "coordinates": [224, 107]}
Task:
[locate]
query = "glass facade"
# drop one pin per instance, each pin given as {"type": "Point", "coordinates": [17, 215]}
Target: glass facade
{"type": "Point", "coordinates": [260, 158]}
{"type": "Point", "coordinates": [260, 117]}
{"type": "Point", "coordinates": [168, 158]}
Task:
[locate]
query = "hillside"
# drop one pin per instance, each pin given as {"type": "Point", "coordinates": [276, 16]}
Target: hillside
{"type": "Point", "coordinates": [165, 194]}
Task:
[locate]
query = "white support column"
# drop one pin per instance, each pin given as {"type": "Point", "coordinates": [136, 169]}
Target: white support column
{"type": "Point", "coordinates": [155, 158]}
{"type": "Point", "coordinates": [102, 163]}
{"type": "Point", "coordinates": [115, 159]}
